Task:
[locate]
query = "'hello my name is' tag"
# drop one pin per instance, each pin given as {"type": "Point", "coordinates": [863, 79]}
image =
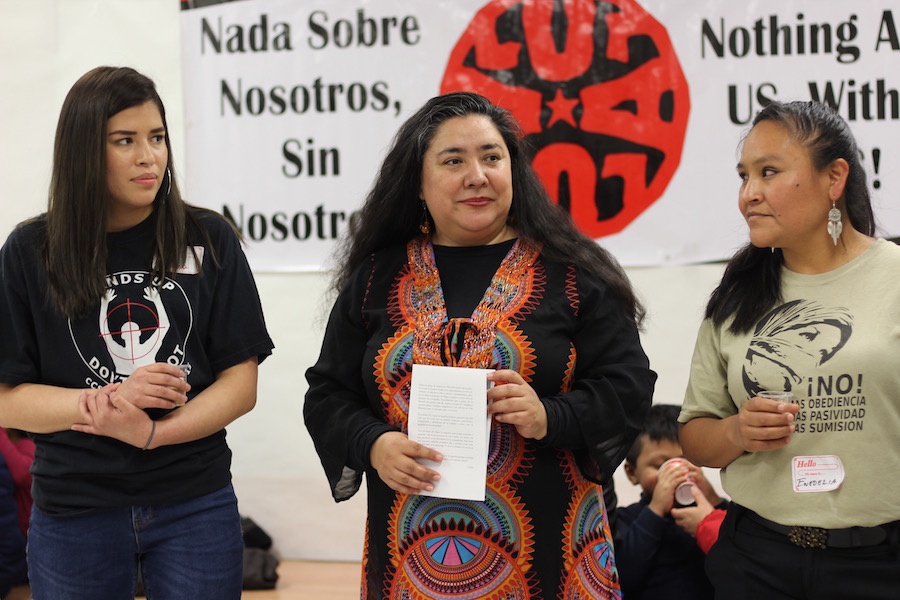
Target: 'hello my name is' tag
{"type": "Point", "coordinates": [817, 473]}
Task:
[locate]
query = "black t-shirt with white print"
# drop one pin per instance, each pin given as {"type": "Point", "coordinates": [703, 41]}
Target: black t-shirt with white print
{"type": "Point", "coordinates": [207, 316]}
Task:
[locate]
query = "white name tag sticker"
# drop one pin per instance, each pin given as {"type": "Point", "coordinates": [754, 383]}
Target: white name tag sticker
{"type": "Point", "coordinates": [817, 473]}
{"type": "Point", "coordinates": [192, 265]}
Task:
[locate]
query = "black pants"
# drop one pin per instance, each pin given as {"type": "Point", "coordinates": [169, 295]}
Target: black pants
{"type": "Point", "coordinates": [752, 562]}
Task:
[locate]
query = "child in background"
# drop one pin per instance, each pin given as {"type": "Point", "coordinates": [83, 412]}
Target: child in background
{"type": "Point", "coordinates": [656, 553]}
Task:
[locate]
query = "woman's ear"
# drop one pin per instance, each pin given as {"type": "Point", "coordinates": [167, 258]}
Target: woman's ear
{"type": "Point", "coordinates": [838, 171]}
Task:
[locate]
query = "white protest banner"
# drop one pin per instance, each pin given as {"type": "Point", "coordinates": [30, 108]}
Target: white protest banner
{"type": "Point", "coordinates": [635, 108]}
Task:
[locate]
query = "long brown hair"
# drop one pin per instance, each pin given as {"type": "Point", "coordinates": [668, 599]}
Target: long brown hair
{"type": "Point", "coordinates": [75, 251]}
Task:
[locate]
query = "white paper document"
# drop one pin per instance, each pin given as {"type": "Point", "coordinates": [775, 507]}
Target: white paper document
{"type": "Point", "coordinates": [448, 413]}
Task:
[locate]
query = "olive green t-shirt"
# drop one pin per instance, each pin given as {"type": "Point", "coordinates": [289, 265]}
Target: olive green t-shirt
{"type": "Point", "coordinates": [834, 342]}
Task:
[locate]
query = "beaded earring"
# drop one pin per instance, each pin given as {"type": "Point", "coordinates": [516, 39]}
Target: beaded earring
{"type": "Point", "coordinates": [425, 226]}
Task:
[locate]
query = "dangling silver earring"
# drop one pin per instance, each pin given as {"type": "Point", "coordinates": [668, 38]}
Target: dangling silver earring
{"type": "Point", "coordinates": [169, 188]}
{"type": "Point", "coordinates": [835, 227]}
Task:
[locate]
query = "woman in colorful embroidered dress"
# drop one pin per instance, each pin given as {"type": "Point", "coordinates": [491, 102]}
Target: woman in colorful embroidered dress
{"type": "Point", "coordinates": [459, 258]}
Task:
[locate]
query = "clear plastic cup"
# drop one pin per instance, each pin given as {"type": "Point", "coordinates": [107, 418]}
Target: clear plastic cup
{"type": "Point", "coordinates": [778, 395]}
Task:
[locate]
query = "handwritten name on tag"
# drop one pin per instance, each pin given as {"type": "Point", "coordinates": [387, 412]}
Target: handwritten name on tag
{"type": "Point", "coordinates": [817, 473]}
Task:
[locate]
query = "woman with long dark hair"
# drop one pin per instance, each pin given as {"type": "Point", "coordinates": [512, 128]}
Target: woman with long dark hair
{"type": "Point", "coordinates": [132, 334]}
{"type": "Point", "coordinates": [808, 308]}
{"type": "Point", "coordinates": [459, 258]}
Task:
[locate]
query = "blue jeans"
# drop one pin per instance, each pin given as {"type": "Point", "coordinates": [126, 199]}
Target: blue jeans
{"type": "Point", "coordinates": [193, 549]}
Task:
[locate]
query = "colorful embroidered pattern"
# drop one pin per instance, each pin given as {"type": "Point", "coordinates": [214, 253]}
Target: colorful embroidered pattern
{"type": "Point", "coordinates": [454, 549]}
{"type": "Point", "coordinates": [589, 555]}
{"type": "Point", "coordinates": [451, 545]}
{"type": "Point", "coordinates": [436, 335]}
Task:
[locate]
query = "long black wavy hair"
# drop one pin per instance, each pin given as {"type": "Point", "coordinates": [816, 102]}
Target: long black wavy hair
{"type": "Point", "coordinates": [392, 211]}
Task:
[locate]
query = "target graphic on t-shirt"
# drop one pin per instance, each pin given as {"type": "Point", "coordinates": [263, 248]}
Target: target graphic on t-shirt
{"type": "Point", "coordinates": [135, 326]}
{"type": "Point", "coordinates": [599, 92]}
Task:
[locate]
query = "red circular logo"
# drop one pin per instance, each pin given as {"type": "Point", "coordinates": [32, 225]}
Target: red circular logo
{"type": "Point", "coordinates": [598, 91]}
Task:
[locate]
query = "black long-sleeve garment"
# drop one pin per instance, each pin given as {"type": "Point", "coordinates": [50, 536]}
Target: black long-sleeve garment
{"type": "Point", "coordinates": [542, 529]}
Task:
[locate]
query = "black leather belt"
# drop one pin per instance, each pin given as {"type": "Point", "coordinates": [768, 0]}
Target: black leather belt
{"type": "Point", "coordinates": [817, 537]}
